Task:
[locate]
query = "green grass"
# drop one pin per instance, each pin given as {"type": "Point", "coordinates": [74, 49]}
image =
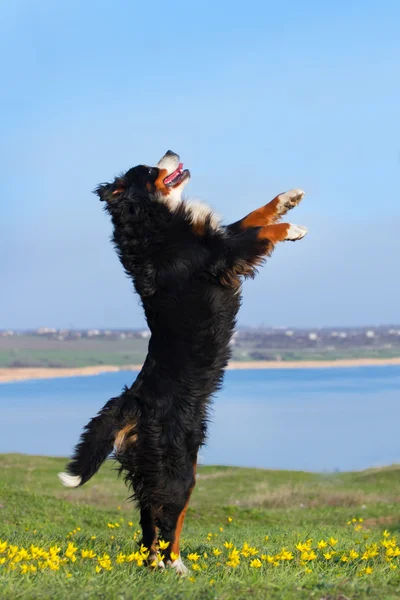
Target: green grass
{"type": "Point", "coordinates": [37, 351]}
{"type": "Point", "coordinates": [288, 507]}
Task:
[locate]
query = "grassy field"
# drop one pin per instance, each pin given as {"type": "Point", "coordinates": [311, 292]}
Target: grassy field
{"type": "Point", "coordinates": [38, 351]}
{"type": "Point", "coordinates": [248, 534]}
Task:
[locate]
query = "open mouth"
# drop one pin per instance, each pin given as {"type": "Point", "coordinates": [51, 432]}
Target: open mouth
{"type": "Point", "coordinates": [176, 177]}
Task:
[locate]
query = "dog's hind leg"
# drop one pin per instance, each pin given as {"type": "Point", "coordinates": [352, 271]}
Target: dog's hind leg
{"type": "Point", "coordinates": [171, 523]}
{"type": "Point", "coordinates": [149, 534]}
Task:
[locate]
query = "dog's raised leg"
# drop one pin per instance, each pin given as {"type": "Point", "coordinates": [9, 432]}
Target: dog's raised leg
{"type": "Point", "coordinates": [254, 237]}
{"type": "Point", "coordinates": [269, 213]}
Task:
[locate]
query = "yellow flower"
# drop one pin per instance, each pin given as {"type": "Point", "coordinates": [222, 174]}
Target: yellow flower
{"type": "Point", "coordinates": [386, 533]}
{"type": "Point", "coordinates": [368, 570]}
{"type": "Point", "coordinates": [270, 559]}
{"type": "Point", "coordinates": [393, 567]}
{"type": "Point", "coordinates": [308, 555]}
{"type": "Point", "coordinates": [12, 551]}
{"type": "Point", "coordinates": [284, 555]}
{"type": "Point", "coordinates": [174, 556]}
{"type": "Point", "coordinates": [246, 550]}
{"type": "Point", "coordinates": [53, 565]}
{"type": "Point", "coordinates": [2, 560]}
{"type": "Point", "coordinates": [322, 544]}
{"type": "Point", "coordinates": [266, 538]}
{"type": "Point", "coordinates": [344, 558]}
{"type": "Point", "coordinates": [163, 545]}
{"type": "Point", "coordinates": [328, 555]}
{"type": "Point", "coordinates": [332, 541]}
{"type": "Point", "coordinates": [112, 537]}
{"type": "Point", "coordinates": [256, 563]}
{"type": "Point", "coordinates": [305, 546]}
{"type": "Point", "coordinates": [93, 537]}
{"type": "Point", "coordinates": [192, 579]}
{"type": "Point", "coordinates": [130, 524]}
{"type": "Point", "coordinates": [88, 554]}
{"type": "Point", "coordinates": [193, 557]}
{"type": "Point", "coordinates": [233, 558]}
{"type": "Point", "coordinates": [221, 529]}
{"type": "Point", "coordinates": [212, 581]}
{"type": "Point", "coordinates": [232, 563]}
{"type": "Point", "coordinates": [120, 558]}
{"type": "Point", "coordinates": [358, 528]}
{"type": "Point", "coordinates": [68, 575]}
{"type": "Point", "coordinates": [105, 564]}
{"type": "Point", "coordinates": [71, 549]}
{"type": "Point", "coordinates": [230, 519]}
{"type": "Point", "coordinates": [216, 552]}
{"type": "Point", "coordinates": [196, 567]}
{"type": "Point", "coordinates": [205, 554]}
{"type": "Point", "coordinates": [98, 569]}
{"type": "Point", "coordinates": [228, 545]}
{"type": "Point", "coordinates": [353, 554]}
{"type": "Point", "coordinates": [3, 546]}
{"type": "Point", "coordinates": [307, 570]}
{"type": "Point", "coordinates": [131, 557]}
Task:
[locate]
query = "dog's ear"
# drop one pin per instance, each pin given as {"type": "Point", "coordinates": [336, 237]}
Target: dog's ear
{"type": "Point", "coordinates": [109, 191]}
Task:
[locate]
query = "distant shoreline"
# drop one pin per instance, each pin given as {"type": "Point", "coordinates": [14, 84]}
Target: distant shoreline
{"type": "Point", "coordinates": [9, 375]}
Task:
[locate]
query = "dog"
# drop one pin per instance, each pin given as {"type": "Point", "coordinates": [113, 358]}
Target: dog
{"type": "Point", "coordinates": [187, 269]}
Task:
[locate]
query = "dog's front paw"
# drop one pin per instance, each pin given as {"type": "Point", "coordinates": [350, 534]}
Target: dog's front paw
{"type": "Point", "coordinates": [179, 566]}
{"type": "Point", "coordinates": [295, 232]}
{"type": "Point", "coordinates": [288, 200]}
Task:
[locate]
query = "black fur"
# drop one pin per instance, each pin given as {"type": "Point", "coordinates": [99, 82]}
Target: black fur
{"type": "Point", "coordinates": [188, 281]}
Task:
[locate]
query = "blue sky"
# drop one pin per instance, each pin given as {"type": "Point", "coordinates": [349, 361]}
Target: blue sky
{"type": "Point", "coordinates": [257, 97]}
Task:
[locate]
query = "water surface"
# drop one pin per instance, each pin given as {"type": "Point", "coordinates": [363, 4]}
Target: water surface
{"type": "Point", "coordinates": [311, 419]}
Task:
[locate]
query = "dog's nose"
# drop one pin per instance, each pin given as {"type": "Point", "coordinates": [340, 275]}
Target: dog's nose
{"type": "Point", "coordinates": [170, 153]}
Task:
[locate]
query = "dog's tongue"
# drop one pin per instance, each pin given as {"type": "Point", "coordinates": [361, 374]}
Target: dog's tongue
{"type": "Point", "coordinates": [177, 172]}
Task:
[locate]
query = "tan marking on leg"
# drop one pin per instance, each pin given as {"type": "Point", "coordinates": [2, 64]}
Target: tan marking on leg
{"type": "Point", "coordinates": [181, 518]}
{"type": "Point", "coordinates": [274, 210]}
{"type": "Point", "coordinates": [274, 233]}
{"type": "Point", "coordinates": [282, 232]}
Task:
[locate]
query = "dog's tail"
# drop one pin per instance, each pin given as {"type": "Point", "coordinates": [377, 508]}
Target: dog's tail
{"type": "Point", "coordinates": [95, 445]}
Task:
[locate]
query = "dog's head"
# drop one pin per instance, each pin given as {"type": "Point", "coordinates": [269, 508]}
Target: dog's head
{"type": "Point", "coordinates": [164, 182]}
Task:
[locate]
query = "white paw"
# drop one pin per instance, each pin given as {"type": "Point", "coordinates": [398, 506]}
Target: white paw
{"type": "Point", "coordinates": [178, 565]}
{"type": "Point", "coordinates": [69, 480]}
{"type": "Point", "coordinates": [296, 232]}
{"type": "Point", "coordinates": [289, 200]}
{"type": "Point", "coordinates": [155, 562]}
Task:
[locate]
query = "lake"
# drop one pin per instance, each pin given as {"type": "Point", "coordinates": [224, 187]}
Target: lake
{"type": "Point", "coordinates": [308, 419]}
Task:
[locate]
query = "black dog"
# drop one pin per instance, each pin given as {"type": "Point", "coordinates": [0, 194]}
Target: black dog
{"type": "Point", "coordinates": [187, 269]}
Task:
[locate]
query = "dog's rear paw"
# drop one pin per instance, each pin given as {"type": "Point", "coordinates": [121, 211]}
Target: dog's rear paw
{"type": "Point", "coordinates": [179, 567]}
{"type": "Point", "coordinates": [295, 232]}
{"type": "Point", "coordinates": [289, 200]}
{"type": "Point", "coordinates": [155, 562]}
{"type": "Point", "coordinates": [68, 480]}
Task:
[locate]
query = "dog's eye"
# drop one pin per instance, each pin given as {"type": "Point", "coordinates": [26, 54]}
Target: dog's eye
{"type": "Point", "coordinates": [152, 170]}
